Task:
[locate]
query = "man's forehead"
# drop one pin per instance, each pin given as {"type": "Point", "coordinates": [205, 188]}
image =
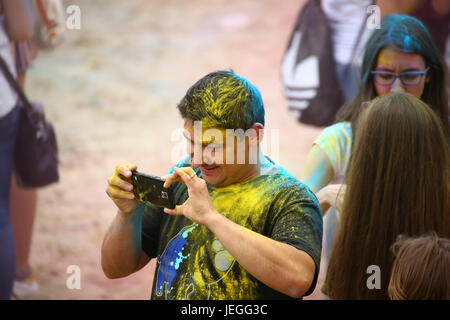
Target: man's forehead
{"type": "Point", "coordinates": [205, 135]}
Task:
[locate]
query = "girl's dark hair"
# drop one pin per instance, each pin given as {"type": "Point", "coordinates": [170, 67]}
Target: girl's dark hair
{"type": "Point", "coordinates": [398, 182]}
{"type": "Point", "coordinates": [409, 35]}
{"type": "Point", "coordinates": [223, 99]}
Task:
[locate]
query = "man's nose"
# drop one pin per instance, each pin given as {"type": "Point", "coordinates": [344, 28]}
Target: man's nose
{"type": "Point", "coordinates": [397, 86]}
{"type": "Point", "coordinates": [197, 157]}
{"type": "Point", "coordinates": [195, 164]}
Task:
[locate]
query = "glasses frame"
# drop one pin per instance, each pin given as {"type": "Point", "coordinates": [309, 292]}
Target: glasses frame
{"type": "Point", "coordinates": [400, 76]}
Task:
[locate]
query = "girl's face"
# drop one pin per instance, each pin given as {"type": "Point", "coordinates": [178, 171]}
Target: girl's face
{"type": "Point", "coordinates": [396, 61]}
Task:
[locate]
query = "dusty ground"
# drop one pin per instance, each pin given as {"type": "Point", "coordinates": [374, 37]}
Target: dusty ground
{"type": "Point", "coordinates": [111, 91]}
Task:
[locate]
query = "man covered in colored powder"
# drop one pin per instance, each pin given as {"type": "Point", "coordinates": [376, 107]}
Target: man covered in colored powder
{"type": "Point", "coordinates": [243, 227]}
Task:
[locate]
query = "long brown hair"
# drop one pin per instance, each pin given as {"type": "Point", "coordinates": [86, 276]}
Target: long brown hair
{"type": "Point", "coordinates": [398, 182]}
{"type": "Point", "coordinates": [421, 269]}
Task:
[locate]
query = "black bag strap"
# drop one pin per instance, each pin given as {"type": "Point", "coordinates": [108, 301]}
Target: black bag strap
{"type": "Point", "coordinates": [14, 84]}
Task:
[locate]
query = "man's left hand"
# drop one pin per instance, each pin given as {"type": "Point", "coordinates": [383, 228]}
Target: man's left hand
{"type": "Point", "coordinates": [198, 207]}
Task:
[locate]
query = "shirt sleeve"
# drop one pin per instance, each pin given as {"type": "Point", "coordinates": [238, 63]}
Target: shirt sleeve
{"type": "Point", "coordinates": [336, 142]}
{"type": "Point", "coordinates": [299, 223]}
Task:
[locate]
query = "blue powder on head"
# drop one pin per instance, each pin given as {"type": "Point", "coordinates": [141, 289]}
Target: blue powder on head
{"type": "Point", "coordinates": [399, 36]}
{"type": "Point", "coordinates": [407, 42]}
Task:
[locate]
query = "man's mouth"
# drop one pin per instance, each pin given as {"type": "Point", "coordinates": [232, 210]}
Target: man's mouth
{"type": "Point", "coordinates": [207, 170]}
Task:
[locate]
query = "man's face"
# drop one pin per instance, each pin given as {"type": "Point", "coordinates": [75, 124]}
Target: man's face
{"type": "Point", "coordinates": [221, 161]}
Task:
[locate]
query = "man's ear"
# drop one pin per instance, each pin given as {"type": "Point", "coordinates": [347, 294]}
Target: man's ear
{"type": "Point", "coordinates": [259, 132]}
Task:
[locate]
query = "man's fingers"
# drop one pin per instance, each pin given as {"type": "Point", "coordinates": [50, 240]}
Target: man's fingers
{"type": "Point", "coordinates": [169, 179]}
{"type": "Point", "coordinates": [118, 182]}
{"type": "Point", "coordinates": [125, 169]}
{"type": "Point", "coordinates": [178, 211]}
{"type": "Point", "coordinates": [118, 188]}
{"type": "Point", "coordinates": [186, 175]}
{"type": "Point", "coordinates": [179, 175]}
{"type": "Point", "coordinates": [117, 193]}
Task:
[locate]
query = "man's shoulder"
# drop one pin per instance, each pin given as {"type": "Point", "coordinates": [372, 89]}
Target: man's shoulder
{"type": "Point", "coordinates": [285, 181]}
{"type": "Point", "coordinates": [184, 162]}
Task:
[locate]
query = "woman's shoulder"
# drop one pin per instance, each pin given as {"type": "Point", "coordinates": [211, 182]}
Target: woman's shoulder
{"type": "Point", "coordinates": [336, 141]}
{"type": "Point", "coordinates": [339, 130]}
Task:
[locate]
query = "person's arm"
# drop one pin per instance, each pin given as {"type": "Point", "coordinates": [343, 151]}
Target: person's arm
{"type": "Point", "coordinates": [441, 7]}
{"type": "Point", "coordinates": [398, 6]}
{"type": "Point", "coordinates": [278, 265]}
{"type": "Point", "coordinates": [328, 157]}
{"type": "Point", "coordinates": [317, 174]}
{"type": "Point", "coordinates": [121, 253]}
{"type": "Point", "coordinates": [331, 196]}
{"type": "Point", "coordinates": [317, 171]}
{"type": "Point", "coordinates": [17, 20]}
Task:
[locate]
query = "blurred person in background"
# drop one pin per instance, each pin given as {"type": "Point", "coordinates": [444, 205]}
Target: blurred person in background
{"type": "Point", "coordinates": [23, 200]}
{"type": "Point", "coordinates": [421, 269]}
{"type": "Point", "coordinates": [14, 26]}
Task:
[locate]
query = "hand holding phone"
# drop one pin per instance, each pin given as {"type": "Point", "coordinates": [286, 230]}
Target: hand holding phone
{"type": "Point", "coordinates": [120, 189]}
{"type": "Point", "coordinates": [150, 189]}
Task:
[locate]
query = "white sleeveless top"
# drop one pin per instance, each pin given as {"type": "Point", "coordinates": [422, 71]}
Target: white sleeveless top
{"type": "Point", "coordinates": [8, 97]}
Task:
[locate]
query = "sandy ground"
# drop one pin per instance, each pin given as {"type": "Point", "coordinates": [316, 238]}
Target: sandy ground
{"type": "Point", "coordinates": [111, 90]}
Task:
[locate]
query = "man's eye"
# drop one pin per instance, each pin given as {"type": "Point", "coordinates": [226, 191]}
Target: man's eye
{"type": "Point", "coordinates": [214, 146]}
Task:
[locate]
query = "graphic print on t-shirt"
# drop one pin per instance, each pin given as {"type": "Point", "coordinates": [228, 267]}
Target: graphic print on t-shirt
{"type": "Point", "coordinates": [194, 265]}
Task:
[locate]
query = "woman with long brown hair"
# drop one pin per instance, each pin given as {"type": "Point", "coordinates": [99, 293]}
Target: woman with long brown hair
{"type": "Point", "coordinates": [398, 57]}
{"type": "Point", "coordinates": [398, 182]}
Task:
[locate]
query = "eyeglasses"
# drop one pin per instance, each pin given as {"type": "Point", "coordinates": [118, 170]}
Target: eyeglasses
{"type": "Point", "coordinates": [409, 78]}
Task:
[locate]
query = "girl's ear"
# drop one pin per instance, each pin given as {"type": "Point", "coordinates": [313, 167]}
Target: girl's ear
{"type": "Point", "coordinates": [428, 76]}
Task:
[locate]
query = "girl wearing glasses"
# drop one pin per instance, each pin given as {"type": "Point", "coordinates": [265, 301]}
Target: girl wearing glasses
{"type": "Point", "coordinates": [400, 57]}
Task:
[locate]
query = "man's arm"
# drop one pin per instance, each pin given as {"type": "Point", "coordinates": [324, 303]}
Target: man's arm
{"type": "Point", "coordinates": [17, 20]}
{"type": "Point", "coordinates": [122, 252]}
{"type": "Point", "coordinates": [278, 265]}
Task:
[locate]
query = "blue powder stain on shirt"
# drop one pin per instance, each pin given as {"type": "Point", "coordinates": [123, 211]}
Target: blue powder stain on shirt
{"type": "Point", "coordinates": [168, 269]}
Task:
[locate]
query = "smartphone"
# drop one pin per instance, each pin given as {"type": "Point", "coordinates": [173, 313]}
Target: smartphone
{"type": "Point", "coordinates": [149, 189]}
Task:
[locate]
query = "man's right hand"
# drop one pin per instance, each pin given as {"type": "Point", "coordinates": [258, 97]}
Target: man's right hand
{"type": "Point", "coordinates": [120, 189]}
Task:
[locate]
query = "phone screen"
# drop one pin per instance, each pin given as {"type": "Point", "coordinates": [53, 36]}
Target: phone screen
{"type": "Point", "coordinates": [149, 189]}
